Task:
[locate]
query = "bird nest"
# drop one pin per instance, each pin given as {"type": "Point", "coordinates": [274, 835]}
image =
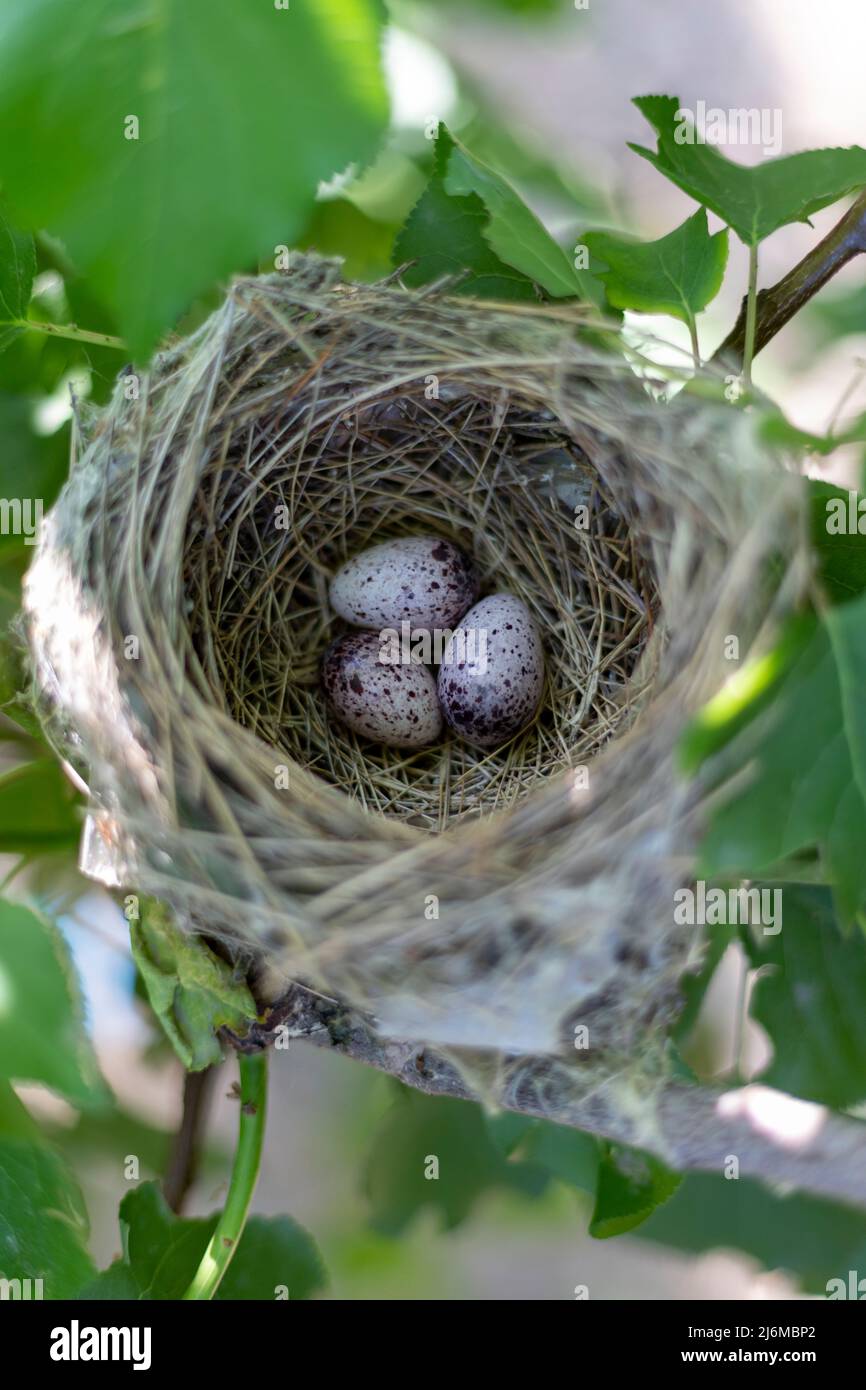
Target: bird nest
{"type": "Point", "coordinates": [178, 612]}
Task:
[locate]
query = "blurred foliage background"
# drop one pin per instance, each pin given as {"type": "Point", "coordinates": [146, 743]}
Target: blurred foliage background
{"type": "Point", "coordinates": [539, 90]}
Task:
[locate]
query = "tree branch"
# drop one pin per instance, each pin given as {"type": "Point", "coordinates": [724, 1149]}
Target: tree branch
{"type": "Point", "coordinates": [777, 305]}
{"type": "Point", "coordinates": [692, 1128]}
{"type": "Point", "coordinates": [186, 1148]}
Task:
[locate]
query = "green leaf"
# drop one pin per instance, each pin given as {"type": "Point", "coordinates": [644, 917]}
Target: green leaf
{"type": "Point", "coordinates": [749, 692]}
{"type": "Point", "coordinates": [808, 996]}
{"type": "Point", "coordinates": [812, 1239]}
{"type": "Point", "coordinates": [274, 1254]}
{"type": "Point", "coordinates": [162, 1253]}
{"type": "Point", "coordinates": [678, 274]}
{"type": "Point", "coordinates": [43, 1223]}
{"type": "Point", "coordinates": [470, 218]}
{"type": "Point", "coordinates": [17, 269]}
{"type": "Point", "coordinates": [242, 110]}
{"type": "Point", "coordinates": [529, 163]}
{"type": "Point", "coordinates": [32, 470]}
{"type": "Point", "coordinates": [192, 991]}
{"type": "Point", "coordinates": [841, 551]}
{"type": "Point", "coordinates": [32, 466]}
{"type": "Point", "coordinates": [753, 201]}
{"type": "Point", "coordinates": [437, 1154]}
{"type": "Point", "coordinates": [567, 1154]}
{"type": "Point", "coordinates": [42, 1036]}
{"type": "Point", "coordinates": [775, 429]}
{"type": "Point", "coordinates": [631, 1185]}
{"type": "Point", "coordinates": [15, 704]}
{"type": "Point", "coordinates": [16, 1122]}
{"type": "Point", "coordinates": [39, 809]}
{"type": "Point", "coordinates": [845, 625]}
{"type": "Point", "coordinates": [800, 769]}
{"type": "Point", "coordinates": [339, 228]}
{"type": "Point", "coordinates": [115, 1283]}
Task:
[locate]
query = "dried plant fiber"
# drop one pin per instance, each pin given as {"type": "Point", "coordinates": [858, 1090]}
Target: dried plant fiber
{"type": "Point", "coordinates": [177, 611]}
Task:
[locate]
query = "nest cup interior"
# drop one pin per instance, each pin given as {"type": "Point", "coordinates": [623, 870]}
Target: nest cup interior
{"type": "Point", "coordinates": [299, 484]}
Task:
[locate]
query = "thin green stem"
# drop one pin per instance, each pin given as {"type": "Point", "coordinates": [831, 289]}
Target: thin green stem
{"type": "Point", "coordinates": [751, 317]}
{"type": "Point", "coordinates": [69, 330]}
{"type": "Point", "coordinates": [696, 347]}
{"type": "Point", "coordinates": [224, 1241]}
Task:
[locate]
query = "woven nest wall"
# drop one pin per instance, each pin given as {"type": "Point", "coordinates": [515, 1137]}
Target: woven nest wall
{"type": "Point", "coordinates": [466, 898]}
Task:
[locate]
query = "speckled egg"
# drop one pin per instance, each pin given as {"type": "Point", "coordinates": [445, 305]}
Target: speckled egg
{"type": "Point", "coordinates": [492, 672]}
{"type": "Point", "coordinates": [425, 581]}
{"type": "Point", "coordinates": [392, 703]}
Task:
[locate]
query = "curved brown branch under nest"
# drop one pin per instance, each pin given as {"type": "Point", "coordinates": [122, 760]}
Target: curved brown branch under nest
{"type": "Point", "coordinates": [476, 902]}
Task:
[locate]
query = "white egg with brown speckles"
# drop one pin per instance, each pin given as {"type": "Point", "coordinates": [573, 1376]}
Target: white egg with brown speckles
{"type": "Point", "coordinates": [492, 672]}
{"type": "Point", "coordinates": [394, 703]}
{"type": "Point", "coordinates": [423, 580]}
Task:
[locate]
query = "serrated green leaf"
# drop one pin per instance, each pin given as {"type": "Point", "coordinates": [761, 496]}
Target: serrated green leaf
{"type": "Point", "coordinates": [753, 201]}
{"type": "Point", "coordinates": [677, 275]}
{"type": "Point", "coordinates": [513, 231]}
{"type": "Point", "coordinates": [808, 996]}
{"type": "Point", "coordinates": [43, 1222]}
{"type": "Point", "coordinates": [242, 110]}
{"type": "Point", "coordinates": [631, 1184]}
{"type": "Point", "coordinates": [471, 218]}
{"type": "Point", "coordinates": [445, 236]}
{"type": "Point", "coordinates": [192, 992]}
{"type": "Point", "coordinates": [42, 1035]}
{"type": "Point", "coordinates": [437, 1154]}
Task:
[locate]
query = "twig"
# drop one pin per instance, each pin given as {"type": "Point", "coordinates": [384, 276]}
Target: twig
{"type": "Point", "coordinates": [184, 1157]}
{"type": "Point", "coordinates": [691, 1127]}
{"type": "Point", "coordinates": [778, 304]}
{"type": "Point", "coordinates": [68, 330]}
